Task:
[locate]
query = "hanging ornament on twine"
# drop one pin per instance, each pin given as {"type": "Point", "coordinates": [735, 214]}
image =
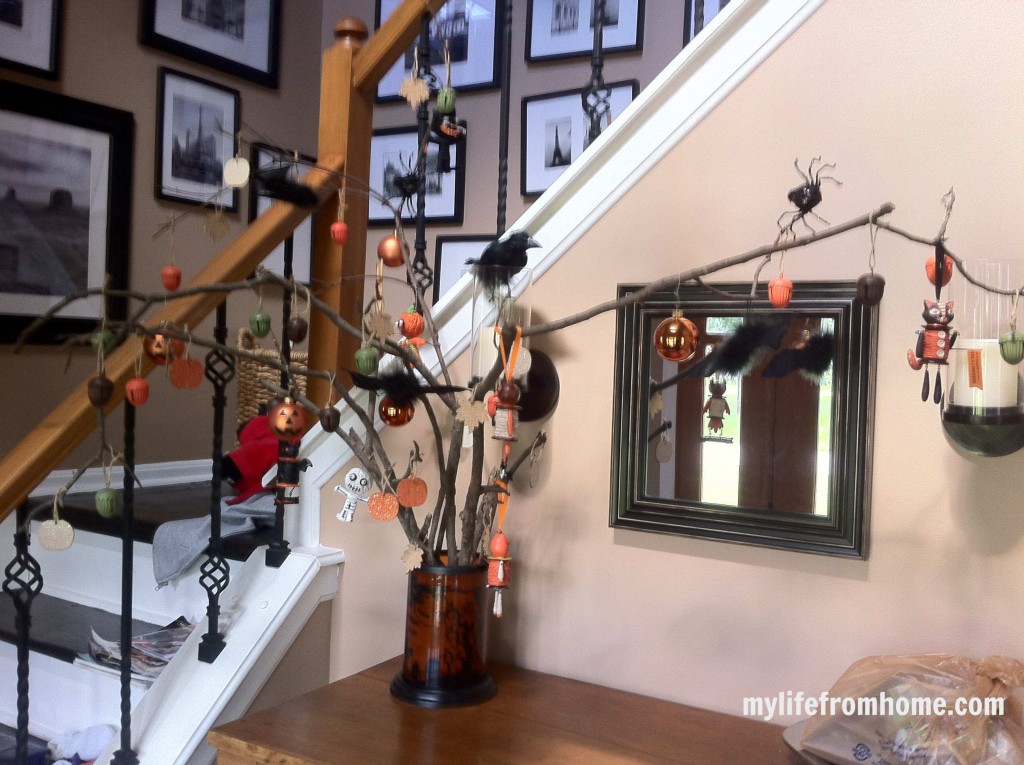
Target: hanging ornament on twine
{"type": "Point", "coordinates": [1011, 344]}
{"type": "Point", "coordinates": [499, 562]}
{"type": "Point", "coordinates": [108, 501]}
{"type": "Point", "coordinates": [298, 324]}
{"type": "Point", "coordinates": [378, 324]}
{"type": "Point", "coordinates": [780, 289]}
{"type": "Point", "coordinates": [170, 275]}
{"type": "Point", "coordinates": [259, 322]}
{"type": "Point", "coordinates": [186, 372]}
{"type": "Point", "coordinates": [339, 229]}
{"type": "Point", "coordinates": [503, 405]}
{"type": "Point", "coordinates": [136, 390]}
{"type": "Point", "coordinates": [56, 534]}
{"type": "Point", "coordinates": [414, 88]}
{"type": "Point", "coordinates": [216, 224]}
{"type": "Point", "coordinates": [870, 286]}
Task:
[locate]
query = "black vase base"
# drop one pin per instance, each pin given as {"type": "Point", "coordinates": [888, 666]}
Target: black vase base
{"type": "Point", "coordinates": [465, 695]}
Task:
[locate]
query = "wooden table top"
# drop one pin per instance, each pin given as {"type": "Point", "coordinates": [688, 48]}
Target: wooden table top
{"type": "Point", "coordinates": [535, 718]}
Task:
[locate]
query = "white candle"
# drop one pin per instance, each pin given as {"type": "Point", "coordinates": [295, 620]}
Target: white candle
{"type": "Point", "coordinates": [982, 380]}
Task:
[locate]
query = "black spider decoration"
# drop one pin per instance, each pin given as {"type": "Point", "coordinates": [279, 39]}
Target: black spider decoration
{"type": "Point", "coordinates": [404, 182]}
{"type": "Point", "coordinates": [807, 196]}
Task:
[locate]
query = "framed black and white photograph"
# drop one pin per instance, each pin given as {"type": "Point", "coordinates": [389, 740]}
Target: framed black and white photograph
{"type": "Point", "coordinates": [196, 132]}
{"type": "Point", "coordinates": [558, 29]}
{"type": "Point", "coordinates": [266, 160]}
{"type": "Point", "coordinates": [30, 36]}
{"type": "Point", "coordinates": [471, 28]}
{"type": "Point", "coordinates": [240, 37]}
{"type": "Point", "coordinates": [393, 156]}
{"type": "Point", "coordinates": [65, 213]}
{"type": "Point", "coordinates": [555, 130]}
{"type": "Point", "coordinates": [450, 255]}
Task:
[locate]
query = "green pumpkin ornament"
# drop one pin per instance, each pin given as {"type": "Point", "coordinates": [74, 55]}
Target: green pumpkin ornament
{"type": "Point", "coordinates": [259, 323]}
{"type": "Point", "coordinates": [108, 502]}
{"type": "Point", "coordinates": [1011, 346]}
{"type": "Point", "coordinates": [367, 359]}
{"type": "Point", "coordinates": [446, 100]}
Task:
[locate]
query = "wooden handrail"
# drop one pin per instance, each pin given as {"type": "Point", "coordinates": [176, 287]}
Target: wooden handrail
{"type": "Point", "coordinates": [43, 449]}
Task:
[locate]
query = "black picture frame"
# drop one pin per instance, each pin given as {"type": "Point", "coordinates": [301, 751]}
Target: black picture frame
{"type": "Point", "coordinates": [394, 150]}
{"type": "Point", "coordinates": [476, 61]}
{"type": "Point", "coordinates": [88, 149]}
{"type": "Point", "coordinates": [545, 153]}
{"type": "Point", "coordinates": [450, 254]}
{"type": "Point", "coordinates": [30, 37]}
{"type": "Point", "coordinates": [261, 157]}
{"type": "Point", "coordinates": [247, 47]}
{"type": "Point", "coordinates": [189, 165]}
{"type": "Point", "coordinates": [561, 29]}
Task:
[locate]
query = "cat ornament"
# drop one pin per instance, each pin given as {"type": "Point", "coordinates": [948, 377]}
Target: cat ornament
{"type": "Point", "coordinates": [934, 341]}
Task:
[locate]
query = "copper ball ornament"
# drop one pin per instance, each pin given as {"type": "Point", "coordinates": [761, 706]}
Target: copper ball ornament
{"type": "Point", "coordinates": [390, 251]}
{"type": "Point", "coordinates": [870, 288]}
{"type": "Point", "coordinates": [394, 413]}
{"type": "Point", "coordinates": [675, 339]}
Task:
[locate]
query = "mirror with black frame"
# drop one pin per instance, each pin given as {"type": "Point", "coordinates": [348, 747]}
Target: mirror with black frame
{"type": "Point", "coordinates": [763, 434]}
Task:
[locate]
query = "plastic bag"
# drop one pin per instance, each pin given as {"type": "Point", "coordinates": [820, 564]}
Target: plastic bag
{"type": "Point", "coordinates": [903, 730]}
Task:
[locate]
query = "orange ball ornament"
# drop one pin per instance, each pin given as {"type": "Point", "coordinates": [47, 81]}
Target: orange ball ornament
{"type": "Point", "coordinates": [383, 506]}
{"type": "Point", "coordinates": [947, 269]}
{"type": "Point", "coordinates": [412, 491]}
{"type": "Point", "coordinates": [287, 420]}
{"type": "Point", "coordinates": [675, 339]}
{"type": "Point", "coordinates": [390, 251]}
{"type": "Point", "coordinates": [780, 291]}
{"type": "Point", "coordinates": [394, 413]}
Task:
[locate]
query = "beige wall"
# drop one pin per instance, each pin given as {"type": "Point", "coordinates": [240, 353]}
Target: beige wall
{"type": "Point", "coordinates": [908, 99]}
{"type": "Point", "coordinates": [103, 62]}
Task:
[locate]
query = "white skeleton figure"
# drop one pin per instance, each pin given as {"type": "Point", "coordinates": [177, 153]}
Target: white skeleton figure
{"type": "Point", "coordinates": [355, 489]}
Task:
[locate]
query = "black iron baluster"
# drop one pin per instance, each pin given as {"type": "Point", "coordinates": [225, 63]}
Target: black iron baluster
{"type": "Point", "coordinates": [423, 273]}
{"type": "Point", "coordinates": [698, 16]}
{"type": "Point", "coordinates": [506, 88]}
{"type": "Point", "coordinates": [277, 551]}
{"type": "Point", "coordinates": [214, 572]}
{"type": "Point", "coordinates": [125, 755]}
{"type": "Point", "coordinates": [23, 580]}
{"type": "Point", "coordinates": [596, 95]}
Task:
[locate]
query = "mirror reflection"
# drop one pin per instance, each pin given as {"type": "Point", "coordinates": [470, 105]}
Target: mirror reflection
{"type": "Point", "coordinates": [755, 427]}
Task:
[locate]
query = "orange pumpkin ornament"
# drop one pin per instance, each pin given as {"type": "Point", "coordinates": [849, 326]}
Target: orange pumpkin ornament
{"type": "Point", "coordinates": [412, 491]}
{"type": "Point", "coordinates": [136, 391]}
{"type": "Point", "coordinates": [287, 420]}
{"type": "Point", "coordinates": [383, 506]}
{"type": "Point", "coordinates": [780, 291]}
{"type": "Point", "coordinates": [411, 323]}
{"type": "Point", "coordinates": [161, 348]}
{"type": "Point", "coordinates": [186, 373]}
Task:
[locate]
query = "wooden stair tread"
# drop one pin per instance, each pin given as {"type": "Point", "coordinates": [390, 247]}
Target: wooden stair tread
{"type": "Point", "coordinates": [154, 505]}
{"type": "Point", "coordinates": [61, 628]}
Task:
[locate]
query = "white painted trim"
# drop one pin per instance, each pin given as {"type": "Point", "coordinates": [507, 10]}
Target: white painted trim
{"type": "Point", "coordinates": [736, 41]}
{"type": "Point", "coordinates": [150, 474]}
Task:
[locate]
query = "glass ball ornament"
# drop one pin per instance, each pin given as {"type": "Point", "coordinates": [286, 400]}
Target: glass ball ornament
{"type": "Point", "coordinates": [1011, 346]}
{"type": "Point", "coordinates": [395, 413]}
{"type": "Point", "coordinates": [675, 339]}
{"type": "Point", "coordinates": [390, 251]}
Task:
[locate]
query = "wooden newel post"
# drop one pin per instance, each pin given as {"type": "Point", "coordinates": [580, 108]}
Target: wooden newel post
{"type": "Point", "coordinates": [346, 127]}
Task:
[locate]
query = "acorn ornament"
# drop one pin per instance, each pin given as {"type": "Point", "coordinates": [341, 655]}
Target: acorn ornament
{"type": "Point", "coordinates": [780, 291]}
{"type": "Point", "coordinates": [1011, 343]}
{"type": "Point", "coordinates": [675, 339]}
{"type": "Point", "coordinates": [330, 418]}
{"type": "Point", "coordinates": [170, 277]}
{"type": "Point", "coordinates": [870, 287]}
{"type": "Point", "coordinates": [259, 323]}
{"type": "Point", "coordinates": [297, 329]}
{"type": "Point", "coordinates": [100, 390]}
{"type": "Point", "coordinates": [367, 359]}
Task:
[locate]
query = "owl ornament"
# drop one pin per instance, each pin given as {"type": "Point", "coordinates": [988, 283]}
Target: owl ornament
{"type": "Point", "coordinates": [355, 489]}
{"type": "Point", "coordinates": [934, 341]}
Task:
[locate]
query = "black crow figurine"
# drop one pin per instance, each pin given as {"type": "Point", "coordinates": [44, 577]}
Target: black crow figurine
{"type": "Point", "coordinates": [741, 351]}
{"type": "Point", "coordinates": [501, 260]}
{"type": "Point", "coordinates": [811, 358]}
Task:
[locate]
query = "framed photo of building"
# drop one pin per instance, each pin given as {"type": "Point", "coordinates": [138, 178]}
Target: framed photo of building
{"type": "Point", "coordinates": [393, 156]}
{"type": "Point", "coordinates": [554, 132]}
{"type": "Point", "coordinates": [195, 136]}
{"type": "Point", "coordinates": [471, 28]}
{"type": "Point", "coordinates": [240, 37]}
{"type": "Point", "coordinates": [557, 29]}
{"type": "Point", "coordinates": [65, 213]}
{"type": "Point", "coordinates": [270, 159]}
{"type": "Point", "coordinates": [450, 255]}
{"type": "Point", "coordinates": [30, 36]}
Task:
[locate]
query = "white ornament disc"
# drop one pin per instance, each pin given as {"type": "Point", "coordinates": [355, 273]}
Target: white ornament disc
{"type": "Point", "coordinates": [236, 172]}
{"type": "Point", "coordinates": [523, 363]}
{"type": "Point", "coordinates": [56, 536]}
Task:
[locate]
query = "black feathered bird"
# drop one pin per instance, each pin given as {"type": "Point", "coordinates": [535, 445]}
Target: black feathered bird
{"type": "Point", "coordinates": [501, 260]}
{"type": "Point", "coordinates": [812, 358]}
{"type": "Point", "coordinates": [402, 386]}
{"type": "Point", "coordinates": [741, 351]}
{"type": "Point", "coordinates": [276, 181]}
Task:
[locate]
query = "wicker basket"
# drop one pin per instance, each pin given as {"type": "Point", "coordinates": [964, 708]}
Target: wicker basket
{"type": "Point", "coordinates": [251, 392]}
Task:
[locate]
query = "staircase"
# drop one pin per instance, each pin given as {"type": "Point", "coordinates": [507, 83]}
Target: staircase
{"type": "Point", "coordinates": [271, 604]}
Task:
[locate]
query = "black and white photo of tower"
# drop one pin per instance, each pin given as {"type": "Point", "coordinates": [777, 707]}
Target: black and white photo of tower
{"type": "Point", "coordinates": [558, 142]}
{"type": "Point", "coordinates": [195, 147]}
{"type": "Point", "coordinates": [565, 16]}
{"type": "Point", "coordinates": [226, 16]}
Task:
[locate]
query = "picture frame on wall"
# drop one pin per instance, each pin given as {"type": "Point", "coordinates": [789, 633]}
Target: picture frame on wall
{"type": "Point", "coordinates": [393, 154]}
{"type": "Point", "coordinates": [554, 132]}
{"type": "Point", "coordinates": [450, 255]}
{"type": "Point", "coordinates": [240, 37]}
{"type": "Point", "coordinates": [557, 29]}
{"type": "Point", "coordinates": [30, 36]}
{"type": "Point", "coordinates": [65, 215]}
{"type": "Point", "coordinates": [264, 158]}
{"type": "Point", "coordinates": [471, 27]}
{"type": "Point", "coordinates": [196, 128]}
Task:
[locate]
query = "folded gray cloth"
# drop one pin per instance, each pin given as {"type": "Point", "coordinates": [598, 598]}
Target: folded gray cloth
{"type": "Point", "coordinates": [179, 544]}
